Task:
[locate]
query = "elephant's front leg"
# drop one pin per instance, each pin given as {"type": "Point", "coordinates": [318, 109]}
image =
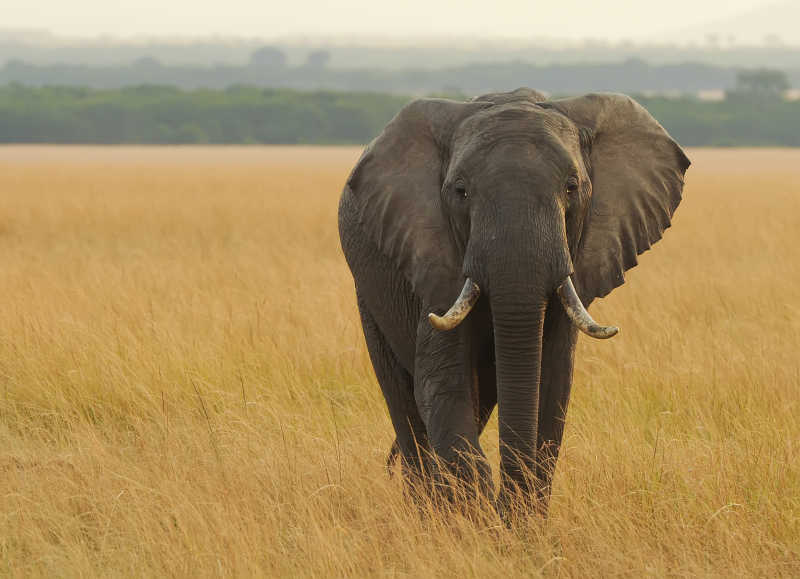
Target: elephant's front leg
{"type": "Point", "coordinates": [443, 383]}
{"type": "Point", "coordinates": [558, 351]}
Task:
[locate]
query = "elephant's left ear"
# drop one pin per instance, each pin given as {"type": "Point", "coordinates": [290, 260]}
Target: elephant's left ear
{"type": "Point", "coordinates": [637, 178]}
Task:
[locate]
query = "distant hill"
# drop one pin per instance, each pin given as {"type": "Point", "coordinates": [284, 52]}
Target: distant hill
{"type": "Point", "coordinates": [773, 24]}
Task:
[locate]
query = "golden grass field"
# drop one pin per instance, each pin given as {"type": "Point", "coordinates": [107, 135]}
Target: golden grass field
{"type": "Point", "coordinates": [185, 390]}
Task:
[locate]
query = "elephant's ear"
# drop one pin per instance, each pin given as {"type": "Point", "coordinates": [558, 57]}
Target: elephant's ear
{"type": "Point", "coordinates": [637, 178]}
{"type": "Point", "coordinates": [395, 188]}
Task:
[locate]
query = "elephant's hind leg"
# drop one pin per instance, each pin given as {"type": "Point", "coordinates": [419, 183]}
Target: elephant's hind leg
{"type": "Point", "coordinates": [397, 385]}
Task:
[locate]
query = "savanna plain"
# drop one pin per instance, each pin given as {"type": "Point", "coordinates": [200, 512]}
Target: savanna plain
{"type": "Point", "coordinates": [185, 390]}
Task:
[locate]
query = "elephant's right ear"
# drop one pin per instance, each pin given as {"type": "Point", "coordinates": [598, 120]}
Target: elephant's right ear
{"type": "Point", "coordinates": [637, 174]}
{"type": "Point", "coordinates": [395, 191]}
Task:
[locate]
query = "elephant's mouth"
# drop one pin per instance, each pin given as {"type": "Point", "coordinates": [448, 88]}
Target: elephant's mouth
{"type": "Point", "coordinates": [566, 293]}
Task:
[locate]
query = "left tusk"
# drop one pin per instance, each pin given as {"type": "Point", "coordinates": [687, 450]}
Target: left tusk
{"type": "Point", "coordinates": [459, 310]}
{"type": "Point", "coordinates": [578, 314]}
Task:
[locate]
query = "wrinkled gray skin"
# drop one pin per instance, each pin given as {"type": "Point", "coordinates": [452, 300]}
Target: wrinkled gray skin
{"type": "Point", "coordinates": [487, 189]}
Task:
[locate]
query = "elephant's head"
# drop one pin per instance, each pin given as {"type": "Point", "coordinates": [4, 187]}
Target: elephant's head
{"type": "Point", "coordinates": [517, 199]}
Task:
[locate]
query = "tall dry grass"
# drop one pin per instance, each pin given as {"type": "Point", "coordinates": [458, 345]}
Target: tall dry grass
{"type": "Point", "coordinates": [184, 388]}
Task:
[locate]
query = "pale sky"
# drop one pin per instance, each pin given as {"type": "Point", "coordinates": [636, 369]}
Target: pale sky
{"type": "Point", "coordinates": [568, 19]}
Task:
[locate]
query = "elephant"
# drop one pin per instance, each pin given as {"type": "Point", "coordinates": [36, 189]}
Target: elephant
{"type": "Point", "coordinates": [477, 234]}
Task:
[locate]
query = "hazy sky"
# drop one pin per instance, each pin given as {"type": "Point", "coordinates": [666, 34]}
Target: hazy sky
{"type": "Point", "coordinates": [572, 19]}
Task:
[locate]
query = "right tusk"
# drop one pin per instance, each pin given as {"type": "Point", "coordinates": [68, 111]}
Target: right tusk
{"type": "Point", "coordinates": [578, 314]}
{"type": "Point", "coordinates": [459, 310]}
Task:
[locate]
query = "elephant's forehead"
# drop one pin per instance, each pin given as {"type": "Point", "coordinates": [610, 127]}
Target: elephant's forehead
{"type": "Point", "coordinates": [523, 127]}
{"type": "Point", "coordinates": [519, 118]}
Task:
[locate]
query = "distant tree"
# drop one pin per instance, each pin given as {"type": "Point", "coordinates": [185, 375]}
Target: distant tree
{"type": "Point", "coordinates": [318, 59]}
{"type": "Point", "coordinates": [268, 57]}
{"type": "Point", "coordinates": [762, 83]}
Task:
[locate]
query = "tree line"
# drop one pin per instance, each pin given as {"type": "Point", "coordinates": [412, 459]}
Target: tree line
{"type": "Point", "coordinates": [753, 115]}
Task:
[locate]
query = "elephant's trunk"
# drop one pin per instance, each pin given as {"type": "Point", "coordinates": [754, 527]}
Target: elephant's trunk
{"type": "Point", "coordinates": [518, 325]}
{"type": "Point", "coordinates": [529, 259]}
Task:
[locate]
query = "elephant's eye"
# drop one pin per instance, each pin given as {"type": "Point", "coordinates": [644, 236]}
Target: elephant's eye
{"type": "Point", "coordinates": [461, 190]}
{"type": "Point", "coordinates": [572, 185]}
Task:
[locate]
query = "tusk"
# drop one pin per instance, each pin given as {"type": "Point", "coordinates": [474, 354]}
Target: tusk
{"type": "Point", "coordinates": [578, 314]}
{"type": "Point", "coordinates": [459, 310]}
